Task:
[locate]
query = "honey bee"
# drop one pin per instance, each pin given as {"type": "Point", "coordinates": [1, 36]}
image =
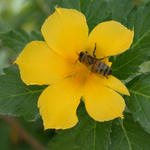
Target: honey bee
{"type": "Point", "coordinates": [96, 65]}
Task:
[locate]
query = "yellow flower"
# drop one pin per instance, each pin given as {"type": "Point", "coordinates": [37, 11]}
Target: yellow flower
{"type": "Point", "coordinates": [54, 62]}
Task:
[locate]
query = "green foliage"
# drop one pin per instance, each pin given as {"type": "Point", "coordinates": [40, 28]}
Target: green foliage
{"type": "Point", "coordinates": [4, 140]}
{"type": "Point", "coordinates": [11, 139]}
{"type": "Point", "coordinates": [16, 40]}
{"type": "Point", "coordinates": [16, 98]}
{"type": "Point", "coordinates": [139, 101]}
{"type": "Point", "coordinates": [121, 11]}
{"type": "Point", "coordinates": [101, 12]}
{"type": "Point", "coordinates": [16, 14]}
{"type": "Point", "coordinates": [128, 135]}
{"type": "Point", "coordinates": [133, 133]}
{"type": "Point", "coordinates": [88, 134]}
{"type": "Point", "coordinates": [142, 22]}
{"type": "Point", "coordinates": [95, 11]}
{"type": "Point", "coordinates": [128, 63]}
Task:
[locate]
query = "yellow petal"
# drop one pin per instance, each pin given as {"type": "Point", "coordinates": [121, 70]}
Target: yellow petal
{"type": "Point", "coordinates": [102, 103]}
{"type": "Point", "coordinates": [66, 32]}
{"type": "Point", "coordinates": [40, 65]}
{"type": "Point", "coordinates": [114, 83]}
{"type": "Point", "coordinates": [107, 62]}
{"type": "Point", "coordinates": [58, 105]}
{"type": "Point", "coordinates": [111, 38]}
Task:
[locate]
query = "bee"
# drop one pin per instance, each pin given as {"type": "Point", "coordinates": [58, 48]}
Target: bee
{"type": "Point", "coordinates": [96, 65]}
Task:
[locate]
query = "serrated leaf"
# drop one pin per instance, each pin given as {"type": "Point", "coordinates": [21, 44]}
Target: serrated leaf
{"type": "Point", "coordinates": [16, 40]}
{"type": "Point", "coordinates": [121, 11]}
{"type": "Point", "coordinates": [142, 21]}
{"type": "Point", "coordinates": [128, 135]}
{"type": "Point", "coordinates": [95, 11]}
{"type": "Point", "coordinates": [127, 64]}
{"type": "Point", "coordinates": [86, 135]}
{"type": "Point", "coordinates": [16, 98]}
{"type": "Point", "coordinates": [139, 101]}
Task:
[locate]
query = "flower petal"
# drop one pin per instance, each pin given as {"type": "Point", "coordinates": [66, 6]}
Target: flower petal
{"type": "Point", "coordinates": [58, 105]}
{"type": "Point", "coordinates": [40, 65]}
{"type": "Point", "coordinates": [114, 83]}
{"type": "Point", "coordinates": [107, 62]}
{"type": "Point", "coordinates": [66, 32]}
{"type": "Point", "coordinates": [111, 38]}
{"type": "Point", "coordinates": [102, 103]}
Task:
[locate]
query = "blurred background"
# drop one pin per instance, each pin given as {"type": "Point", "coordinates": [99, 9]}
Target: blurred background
{"type": "Point", "coordinates": [17, 134]}
{"type": "Point", "coordinates": [20, 14]}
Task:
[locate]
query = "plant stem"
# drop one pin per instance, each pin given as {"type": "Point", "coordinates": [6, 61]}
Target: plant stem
{"type": "Point", "coordinates": [125, 133]}
{"type": "Point", "coordinates": [23, 134]}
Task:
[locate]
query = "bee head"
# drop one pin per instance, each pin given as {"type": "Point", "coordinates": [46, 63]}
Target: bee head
{"type": "Point", "coordinates": [81, 55]}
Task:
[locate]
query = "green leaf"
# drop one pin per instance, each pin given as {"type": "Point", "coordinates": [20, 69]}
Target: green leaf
{"type": "Point", "coordinates": [122, 11]}
{"type": "Point", "coordinates": [75, 4]}
{"type": "Point", "coordinates": [128, 135]}
{"type": "Point", "coordinates": [145, 67]}
{"type": "Point", "coordinates": [95, 11]}
{"type": "Point", "coordinates": [127, 64]}
{"type": "Point", "coordinates": [16, 98]}
{"type": "Point", "coordinates": [5, 143]}
{"type": "Point", "coordinates": [86, 135]}
{"type": "Point", "coordinates": [139, 101]}
{"type": "Point", "coordinates": [16, 40]}
{"type": "Point", "coordinates": [142, 22]}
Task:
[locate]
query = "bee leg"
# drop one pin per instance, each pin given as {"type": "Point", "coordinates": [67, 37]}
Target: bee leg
{"type": "Point", "coordinates": [94, 51]}
{"type": "Point", "coordinates": [103, 58]}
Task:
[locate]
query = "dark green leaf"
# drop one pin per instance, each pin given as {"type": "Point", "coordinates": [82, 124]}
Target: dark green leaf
{"type": "Point", "coordinates": [139, 101]}
{"type": "Point", "coordinates": [142, 22]}
{"type": "Point", "coordinates": [127, 64]}
{"type": "Point", "coordinates": [87, 135]}
{"type": "Point", "coordinates": [95, 11]}
{"type": "Point", "coordinates": [75, 4]}
{"type": "Point", "coordinates": [128, 135]}
{"type": "Point", "coordinates": [16, 98]}
{"type": "Point", "coordinates": [5, 143]}
{"type": "Point", "coordinates": [16, 40]}
{"type": "Point", "coordinates": [122, 11]}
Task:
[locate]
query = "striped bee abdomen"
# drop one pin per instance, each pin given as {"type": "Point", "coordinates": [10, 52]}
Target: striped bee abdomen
{"type": "Point", "coordinates": [101, 68]}
{"type": "Point", "coordinates": [95, 65]}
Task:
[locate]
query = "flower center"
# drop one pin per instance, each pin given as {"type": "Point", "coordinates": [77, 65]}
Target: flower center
{"type": "Point", "coordinates": [79, 72]}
